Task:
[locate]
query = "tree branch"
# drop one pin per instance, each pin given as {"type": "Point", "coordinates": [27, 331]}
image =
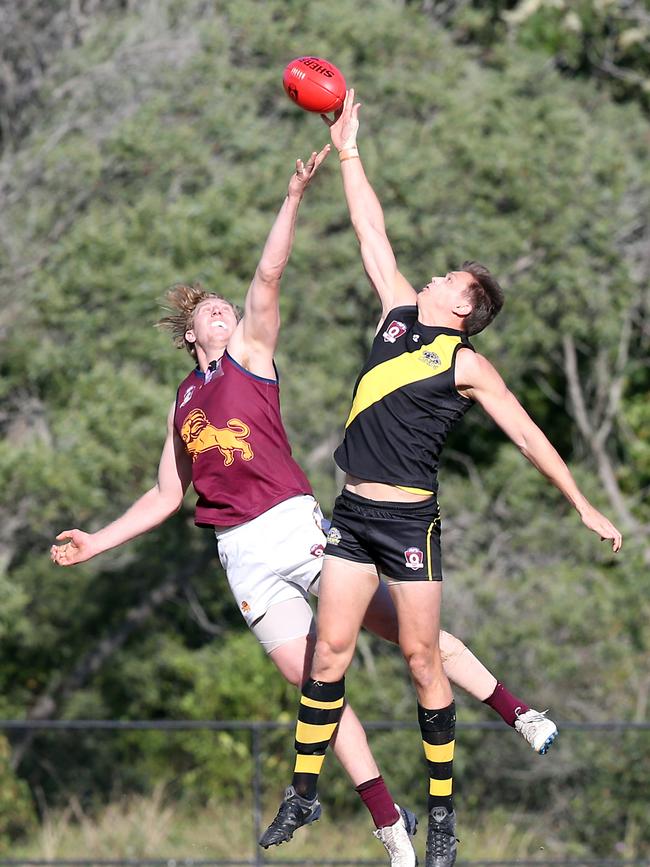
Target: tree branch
{"type": "Point", "coordinates": [198, 611]}
{"type": "Point", "coordinates": [592, 438]}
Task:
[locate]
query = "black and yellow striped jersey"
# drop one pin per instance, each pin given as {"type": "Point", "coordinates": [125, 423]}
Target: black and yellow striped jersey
{"type": "Point", "coordinates": [404, 404]}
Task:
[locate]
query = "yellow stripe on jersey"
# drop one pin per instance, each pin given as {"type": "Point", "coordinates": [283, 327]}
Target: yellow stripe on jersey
{"type": "Point", "coordinates": [321, 705]}
{"type": "Point", "coordinates": [439, 752]}
{"type": "Point", "coordinates": [314, 734]}
{"type": "Point", "coordinates": [308, 764]}
{"type": "Point", "coordinates": [440, 788]}
{"type": "Point", "coordinates": [397, 372]}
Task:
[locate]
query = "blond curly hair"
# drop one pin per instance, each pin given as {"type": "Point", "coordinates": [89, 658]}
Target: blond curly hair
{"type": "Point", "coordinates": [181, 301]}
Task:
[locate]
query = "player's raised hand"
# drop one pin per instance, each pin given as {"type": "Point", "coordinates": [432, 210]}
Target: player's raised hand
{"type": "Point", "coordinates": [76, 548]}
{"type": "Point", "coordinates": [601, 525]}
{"type": "Point", "coordinates": [306, 171]}
{"type": "Point", "coordinates": [344, 127]}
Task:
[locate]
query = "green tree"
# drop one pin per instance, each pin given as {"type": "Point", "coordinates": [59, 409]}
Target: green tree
{"type": "Point", "coordinates": [160, 153]}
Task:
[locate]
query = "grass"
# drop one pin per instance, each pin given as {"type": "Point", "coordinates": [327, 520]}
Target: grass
{"type": "Point", "coordinates": [153, 827]}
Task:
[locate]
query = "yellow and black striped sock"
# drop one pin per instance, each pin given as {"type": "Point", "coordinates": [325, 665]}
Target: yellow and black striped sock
{"type": "Point", "coordinates": [321, 706]}
{"type": "Point", "coordinates": [438, 729]}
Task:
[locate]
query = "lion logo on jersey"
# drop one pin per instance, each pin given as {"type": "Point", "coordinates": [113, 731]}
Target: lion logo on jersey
{"type": "Point", "coordinates": [201, 436]}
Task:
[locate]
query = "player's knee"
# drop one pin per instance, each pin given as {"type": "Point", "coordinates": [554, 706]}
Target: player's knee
{"type": "Point", "coordinates": [424, 665]}
{"type": "Point", "coordinates": [451, 648]}
{"type": "Point", "coordinates": [331, 659]}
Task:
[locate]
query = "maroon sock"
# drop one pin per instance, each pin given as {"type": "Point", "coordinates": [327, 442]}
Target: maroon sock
{"type": "Point", "coordinates": [377, 799]}
{"type": "Point", "coordinates": [506, 704]}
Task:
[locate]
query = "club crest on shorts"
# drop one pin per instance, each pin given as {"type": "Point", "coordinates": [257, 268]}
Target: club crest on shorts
{"type": "Point", "coordinates": [187, 396]}
{"type": "Point", "coordinates": [334, 536]}
{"type": "Point", "coordinates": [245, 607]}
{"type": "Point", "coordinates": [317, 550]}
{"type": "Point", "coordinates": [394, 330]}
{"type": "Point", "coordinates": [414, 558]}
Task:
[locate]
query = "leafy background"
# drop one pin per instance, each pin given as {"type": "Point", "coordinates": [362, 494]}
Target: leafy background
{"type": "Point", "coordinates": [144, 143]}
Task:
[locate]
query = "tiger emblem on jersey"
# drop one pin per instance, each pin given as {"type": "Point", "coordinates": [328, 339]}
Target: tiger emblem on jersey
{"type": "Point", "coordinates": [199, 435]}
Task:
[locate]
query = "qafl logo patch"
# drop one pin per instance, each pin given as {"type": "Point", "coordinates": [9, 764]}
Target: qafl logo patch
{"type": "Point", "coordinates": [334, 536]}
{"type": "Point", "coordinates": [414, 558]}
{"type": "Point", "coordinates": [187, 397]}
{"type": "Point", "coordinates": [317, 550]}
{"type": "Point", "coordinates": [395, 329]}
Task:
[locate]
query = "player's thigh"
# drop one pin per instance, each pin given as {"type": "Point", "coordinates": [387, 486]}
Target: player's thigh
{"type": "Point", "coordinates": [381, 616]}
{"type": "Point", "coordinates": [293, 658]}
{"type": "Point", "coordinates": [417, 604]}
{"type": "Point", "coordinates": [346, 589]}
{"type": "Point", "coordinates": [283, 621]}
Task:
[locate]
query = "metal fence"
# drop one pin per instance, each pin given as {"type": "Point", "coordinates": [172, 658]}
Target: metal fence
{"type": "Point", "coordinates": [256, 731]}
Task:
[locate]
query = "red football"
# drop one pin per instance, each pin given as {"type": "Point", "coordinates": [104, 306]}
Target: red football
{"type": "Point", "coordinates": [314, 84]}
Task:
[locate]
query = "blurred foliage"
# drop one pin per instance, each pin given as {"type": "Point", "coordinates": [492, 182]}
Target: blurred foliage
{"type": "Point", "coordinates": [152, 143]}
{"type": "Point", "coordinates": [603, 40]}
{"type": "Point", "coordinates": [17, 815]}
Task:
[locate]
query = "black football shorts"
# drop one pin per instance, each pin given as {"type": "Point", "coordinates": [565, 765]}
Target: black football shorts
{"type": "Point", "coordinates": [401, 539]}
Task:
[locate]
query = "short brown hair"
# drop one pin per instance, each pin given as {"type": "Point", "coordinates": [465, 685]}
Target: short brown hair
{"type": "Point", "coordinates": [181, 301]}
{"type": "Point", "coordinates": [485, 295]}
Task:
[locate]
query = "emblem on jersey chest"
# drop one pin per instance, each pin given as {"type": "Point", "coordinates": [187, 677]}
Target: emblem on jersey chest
{"type": "Point", "coordinates": [395, 329]}
{"type": "Point", "coordinates": [430, 358]}
{"type": "Point", "coordinates": [187, 397]}
{"type": "Point", "coordinates": [200, 435]}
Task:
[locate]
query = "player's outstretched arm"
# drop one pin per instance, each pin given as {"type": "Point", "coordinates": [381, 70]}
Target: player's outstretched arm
{"type": "Point", "coordinates": [154, 507]}
{"type": "Point", "coordinates": [366, 212]}
{"type": "Point", "coordinates": [258, 331]}
{"type": "Point", "coordinates": [476, 378]}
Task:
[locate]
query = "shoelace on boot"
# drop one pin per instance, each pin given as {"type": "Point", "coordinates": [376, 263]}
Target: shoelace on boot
{"type": "Point", "coordinates": [540, 716]}
{"type": "Point", "coordinates": [288, 812]}
{"type": "Point", "coordinates": [439, 842]}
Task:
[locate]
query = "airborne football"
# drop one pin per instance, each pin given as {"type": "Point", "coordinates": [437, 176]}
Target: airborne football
{"type": "Point", "coordinates": [314, 84]}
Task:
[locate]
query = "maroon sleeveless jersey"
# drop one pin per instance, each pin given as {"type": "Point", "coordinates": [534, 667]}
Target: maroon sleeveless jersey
{"type": "Point", "coordinates": [229, 420]}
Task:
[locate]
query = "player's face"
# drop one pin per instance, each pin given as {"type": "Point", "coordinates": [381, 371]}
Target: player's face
{"type": "Point", "coordinates": [213, 323]}
{"type": "Point", "coordinates": [446, 295]}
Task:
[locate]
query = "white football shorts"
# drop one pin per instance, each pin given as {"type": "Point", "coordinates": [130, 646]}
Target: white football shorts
{"type": "Point", "coordinates": [275, 557]}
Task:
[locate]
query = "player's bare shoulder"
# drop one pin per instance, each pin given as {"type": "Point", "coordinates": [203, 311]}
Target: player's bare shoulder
{"type": "Point", "coordinates": [473, 371]}
{"type": "Point", "coordinates": [253, 352]}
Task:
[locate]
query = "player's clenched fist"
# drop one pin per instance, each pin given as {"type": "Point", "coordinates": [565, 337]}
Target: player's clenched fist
{"type": "Point", "coordinates": [77, 546]}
